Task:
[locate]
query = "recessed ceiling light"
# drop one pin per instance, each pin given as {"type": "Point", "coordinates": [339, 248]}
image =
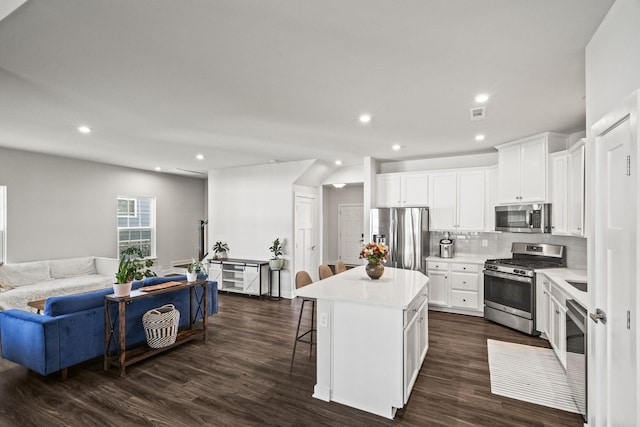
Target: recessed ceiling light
{"type": "Point", "coordinates": [339, 185]}
{"type": "Point", "coordinates": [479, 137]}
{"type": "Point", "coordinates": [396, 147]}
{"type": "Point", "coordinates": [84, 129]}
{"type": "Point", "coordinates": [481, 98]}
{"type": "Point", "coordinates": [200, 156]}
{"type": "Point", "coordinates": [158, 168]}
{"type": "Point", "coordinates": [364, 118]}
{"type": "Point", "coordinates": [338, 162]}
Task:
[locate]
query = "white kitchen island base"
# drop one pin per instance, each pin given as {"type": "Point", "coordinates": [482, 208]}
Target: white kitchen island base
{"type": "Point", "coordinates": [372, 337]}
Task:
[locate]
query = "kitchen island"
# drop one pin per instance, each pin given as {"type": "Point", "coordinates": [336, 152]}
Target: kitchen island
{"type": "Point", "coordinates": [372, 337]}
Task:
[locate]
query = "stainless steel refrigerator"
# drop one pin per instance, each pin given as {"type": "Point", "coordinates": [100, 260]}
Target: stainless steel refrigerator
{"type": "Point", "coordinates": [406, 232]}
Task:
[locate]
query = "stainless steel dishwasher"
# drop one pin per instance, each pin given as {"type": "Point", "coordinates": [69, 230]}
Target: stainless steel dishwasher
{"type": "Point", "coordinates": [577, 354]}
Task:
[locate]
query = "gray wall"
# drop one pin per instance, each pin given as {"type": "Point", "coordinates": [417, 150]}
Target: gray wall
{"type": "Point", "coordinates": [59, 207]}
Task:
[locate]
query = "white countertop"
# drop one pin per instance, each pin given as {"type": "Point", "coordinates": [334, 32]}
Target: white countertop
{"type": "Point", "coordinates": [560, 276]}
{"type": "Point", "coordinates": [465, 259]}
{"type": "Point", "coordinates": [396, 288]}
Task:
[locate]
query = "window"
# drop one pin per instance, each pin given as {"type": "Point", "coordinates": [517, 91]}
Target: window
{"type": "Point", "coordinates": [3, 222]}
{"type": "Point", "coordinates": [127, 208]}
{"type": "Point", "coordinates": [136, 224]}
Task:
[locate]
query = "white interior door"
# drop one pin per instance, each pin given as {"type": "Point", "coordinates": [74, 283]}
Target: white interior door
{"type": "Point", "coordinates": [306, 250]}
{"type": "Point", "coordinates": [615, 274]}
{"type": "Point", "coordinates": [350, 235]}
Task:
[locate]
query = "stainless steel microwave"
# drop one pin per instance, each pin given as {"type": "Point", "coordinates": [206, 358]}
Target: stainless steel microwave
{"type": "Point", "coordinates": [533, 218]}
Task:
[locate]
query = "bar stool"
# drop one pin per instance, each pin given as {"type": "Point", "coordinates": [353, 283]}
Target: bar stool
{"type": "Point", "coordinates": [303, 279]}
{"type": "Point", "coordinates": [324, 271]}
{"type": "Point", "coordinates": [340, 267]}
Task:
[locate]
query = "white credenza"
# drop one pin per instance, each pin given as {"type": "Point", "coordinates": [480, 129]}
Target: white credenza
{"type": "Point", "coordinates": [372, 337]}
{"type": "Point", "coordinates": [240, 275]}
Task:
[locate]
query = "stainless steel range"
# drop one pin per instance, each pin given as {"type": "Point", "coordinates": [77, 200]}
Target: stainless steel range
{"type": "Point", "coordinates": [510, 284]}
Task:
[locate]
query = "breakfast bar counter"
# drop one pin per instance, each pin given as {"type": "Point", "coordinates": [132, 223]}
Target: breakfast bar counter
{"type": "Point", "coordinates": [372, 337]}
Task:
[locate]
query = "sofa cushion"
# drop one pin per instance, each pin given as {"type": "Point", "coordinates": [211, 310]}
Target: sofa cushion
{"type": "Point", "coordinates": [24, 273]}
{"type": "Point", "coordinates": [19, 297]}
{"type": "Point", "coordinates": [58, 305]}
{"type": "Point", "coordinates": [70, 267]}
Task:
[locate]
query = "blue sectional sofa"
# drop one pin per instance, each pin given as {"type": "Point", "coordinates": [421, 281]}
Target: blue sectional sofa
{"type": "Point", "coordinates": [71, 329]}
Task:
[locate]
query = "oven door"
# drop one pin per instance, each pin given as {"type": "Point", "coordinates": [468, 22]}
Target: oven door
{"type": "Point", "coordinates": [509, 293]}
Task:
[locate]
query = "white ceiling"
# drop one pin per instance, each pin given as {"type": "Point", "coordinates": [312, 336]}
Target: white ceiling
{"type": "Point", "coordinates": [244, 82]}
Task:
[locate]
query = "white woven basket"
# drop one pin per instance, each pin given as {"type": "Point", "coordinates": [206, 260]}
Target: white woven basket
{"type": "Point", "coordinates": [161, 326]}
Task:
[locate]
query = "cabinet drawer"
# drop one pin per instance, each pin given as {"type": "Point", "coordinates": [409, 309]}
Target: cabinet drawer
{"type": "Point", "coordinates": [414, 307]}
{"type": "Point", "coordinates": [464, 281]}
{"type": "Point", "coordinates": [435, 265]}
{"type": "Point", "coordinates": [468, 268]}
{"type": "Point", "coordinates": [464, 299]}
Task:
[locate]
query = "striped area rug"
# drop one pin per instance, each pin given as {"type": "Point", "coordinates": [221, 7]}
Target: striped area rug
{"type": "Point", "coordinates": [531, 374]}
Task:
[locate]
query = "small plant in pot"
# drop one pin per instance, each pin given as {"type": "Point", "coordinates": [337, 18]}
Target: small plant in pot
{"type": "Point", "coordinates": [193, 269]}
{"type": "Point", "coordinates": [220, 250]}
{"type": "Point", "coordinates": [276, 263]}
{"type": "Point", "coordinates": [133, 266]}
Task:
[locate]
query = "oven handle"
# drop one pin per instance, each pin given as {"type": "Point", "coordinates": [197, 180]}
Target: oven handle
{"type": "Point", "coordinates": [508, 276]}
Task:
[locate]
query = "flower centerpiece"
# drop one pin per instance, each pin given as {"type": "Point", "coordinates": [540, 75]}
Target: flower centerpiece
{"type": "Point", "coordinates": [376, 254]}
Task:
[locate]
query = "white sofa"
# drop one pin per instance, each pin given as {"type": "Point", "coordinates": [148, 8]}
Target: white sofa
{"type": "Point", "coordinates": [30, 281]}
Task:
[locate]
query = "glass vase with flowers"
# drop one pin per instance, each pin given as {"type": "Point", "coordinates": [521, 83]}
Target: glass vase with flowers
{"type": "Point", "coordinates": [375, 254]}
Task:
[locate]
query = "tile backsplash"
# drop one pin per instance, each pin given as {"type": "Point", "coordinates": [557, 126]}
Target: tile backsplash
{"type": "Point", "coordinates": [498, 245]}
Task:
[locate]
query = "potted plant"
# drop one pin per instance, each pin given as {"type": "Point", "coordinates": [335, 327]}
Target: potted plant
{"type": "Point", "coordinates": [220, 250]}
{"type": "Point", "coordinates": [275, 263]}
{"type": "Point", "coordinates": [132, 266]}
{"type": "Point", "coordinates": [193, 269]}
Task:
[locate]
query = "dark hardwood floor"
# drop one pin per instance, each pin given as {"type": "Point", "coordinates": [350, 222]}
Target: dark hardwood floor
{"type": "Point", "coordinates": [240, 376]}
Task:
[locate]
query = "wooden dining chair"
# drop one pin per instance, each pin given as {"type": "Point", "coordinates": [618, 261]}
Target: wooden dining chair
{"type": "Point", "coordinates": [303, 279]}
{"type": "Point", "coordinates": [340, 267]}
{"type": "Point", "coordinates": [324, 271]}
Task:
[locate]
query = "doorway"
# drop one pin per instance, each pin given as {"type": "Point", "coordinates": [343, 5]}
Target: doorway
{"type": "Point", "coordinates": [614, 337]}
{"type": "Point", "coordinates": [306, 255]}
{"type": "Point", "coordinates": [350, 234]}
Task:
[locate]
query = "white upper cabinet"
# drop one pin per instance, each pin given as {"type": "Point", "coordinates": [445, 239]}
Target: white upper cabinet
{"type": "Point", "coordinates": [387, 190]}
{"type": "Point", "coordinates": [559, 192]}
{"type": "Point", "coordinates": [567, 191]}
{"type": "Point", "coordinates": [402, 189]}
{"type": "Point", "coordinates": [522, 168]}
{"type": "Point", "coordinates": [490, 198]}
{"type": "Point", "coordinates": [442, 200]}
{"type": "Point", "coordinates": [575, 190]}
{"type": "Point", "coordinates": [457, 200]}
{"type": "Point", "coordinates": [471, 199]}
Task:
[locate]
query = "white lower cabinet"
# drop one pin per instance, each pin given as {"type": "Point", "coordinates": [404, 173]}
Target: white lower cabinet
{"type": "Point", "coordinates": [416, 342]}
{"type": "Point", "coordinates": [551, 315]}
{"type": "Point", "coordinates": [456, 287]}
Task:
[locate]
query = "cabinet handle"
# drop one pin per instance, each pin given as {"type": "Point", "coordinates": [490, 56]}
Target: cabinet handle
{"type": "Point", "coordinates": [557, 311]}
{"type": "Point", "coordinates": [464, 283]}
{"type": "Point", "coordinates": [464, 300]}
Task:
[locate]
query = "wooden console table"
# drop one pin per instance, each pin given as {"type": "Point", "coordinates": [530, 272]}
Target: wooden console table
{"type": "Point", "coordinates": [115, 328]}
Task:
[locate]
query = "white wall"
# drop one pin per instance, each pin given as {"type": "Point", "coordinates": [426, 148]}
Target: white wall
{"type": "Point", "coordinates": [453, 162]}
{"type": "Point", "coordinates": [333, 198]}
{"type": "Point", "coordinates": [250, 206]}
{"type": "Point", "coordinates": [59, 207]}
{"type": "Point", "coordinates": [612, 73]}
{"type": "Point", "coordinates": [613, 60]}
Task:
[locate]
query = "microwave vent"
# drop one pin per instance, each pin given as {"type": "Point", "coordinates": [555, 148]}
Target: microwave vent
{"type": "Point", "coordinates": [477, 114]}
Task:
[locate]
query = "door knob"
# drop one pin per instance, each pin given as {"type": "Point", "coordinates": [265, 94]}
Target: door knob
{"type": "Point", "coordinates": [599, 315]}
